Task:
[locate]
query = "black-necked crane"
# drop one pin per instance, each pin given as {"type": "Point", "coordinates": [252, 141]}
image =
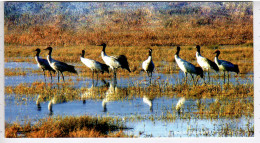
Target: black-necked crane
{"type": "Point", "coordinates": [187, 67]}
{"type": "Point", "coordinates": [95, 66]}
{"type": "Point", "coordinates": [225, 65]}
{"type": "Point", "coordinates": [114, 62]}
{"type": "Point", "coordinates": [59, 66]}
{"type": "Point", "coordinates": [43, 64]}
{"type": "Point", "coordinates": [205, 63]}
{"type": "Point", "coordinates": [148, 65]}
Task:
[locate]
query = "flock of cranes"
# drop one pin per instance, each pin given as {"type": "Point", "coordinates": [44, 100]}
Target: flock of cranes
{"type": "Point", "coordinates": [115, 62]}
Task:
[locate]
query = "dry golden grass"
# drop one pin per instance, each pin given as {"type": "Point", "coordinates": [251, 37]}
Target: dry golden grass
{"type": "Point", "coordinates": [15, 72]}
{"type": "Point", "coordinates": [83, 126]}
{"type": "Point", "coordinates": [132, 32]}
{"type": "Point", "coordinates": [228, 23]}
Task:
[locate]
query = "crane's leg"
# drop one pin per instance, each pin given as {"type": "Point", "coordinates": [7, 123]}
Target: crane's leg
{"type": "Point", "coordinates": [151, 74]}
{"type": "Point", "coordinates": [51, 76]}
{"type": "Point", "coordinates": [58, 77]}
{"type": "Point", "coordinates": [208, 76]}
{"type": "Point", "coordinates": [97, 80]}
{"type": "Point", "coordinates": [224, 78]}
{"type": "Point", "coordinates": [186, 77]}
{"type": "Point", "coordinates": [44, 75]}
{"type": "Point", "coordinates": [62, 76]}
{"type": "Point", "coordinates": [115, 76]}
{"type": "Point", "coordinates": [193, 79]}
{"type": "Point", "coordinates": [196, 80]}
{"type": "Point", "coordinates": [228, 77]}
{"type": "Point", "coordinates": [93, 77]}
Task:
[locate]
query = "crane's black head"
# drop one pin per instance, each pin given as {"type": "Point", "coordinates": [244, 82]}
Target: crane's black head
{"type": "Point", "coordinates": [83, 53]}
{"type": "Point", "coordinates": [38, 51]}
{"type": "Point", "coordinates": [150, 52]}
{"type": "Point", "coordinates": [198, 48]}
{"type": "Point", "coordinates": [199, 71]}
{"type": "Point", "coordinates": [178, 50]}
{"type": "Point", "coordinates": [217, 52]}
{"type": "Point", "coordinates": [104, 46]}
{"type": "Point", "coordinates": [48, 48]}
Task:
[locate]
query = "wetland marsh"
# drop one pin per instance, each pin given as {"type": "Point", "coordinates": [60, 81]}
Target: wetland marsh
{"type": "Point", "coordinates": [214, 109]}
{"type": "Point", "coordinates": [130, 107]}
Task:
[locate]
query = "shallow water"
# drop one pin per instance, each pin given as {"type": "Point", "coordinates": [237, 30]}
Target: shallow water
{"type": "Point", "coordinates": [25, 108]}
{"type": "Point", "coordinates": [126, 109]}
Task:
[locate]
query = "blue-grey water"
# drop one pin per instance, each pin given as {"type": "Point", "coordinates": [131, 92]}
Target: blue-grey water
{"type": "Point", "coordinates": [25, 108]}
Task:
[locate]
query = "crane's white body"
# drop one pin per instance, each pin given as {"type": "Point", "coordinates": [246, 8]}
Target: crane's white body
{"type": "Point", "coordinates": [185, 66]}
{"type": "Point", "coordinates": [223, 65]}
{"type": "Point", "coordinates": [42, 63]}
{"type": "Point", "coordinates": [111, 61]}
{"type": "Point", "coordinates": [203, 62]}
{"type": "Point", "coordinates": [56, 65]}
{"type": "Point", "coordinates": [92, 64]}
{"type": "Point", "coordinates": [148, 65]}
{"type": "Point", "coordinates": [59, 66]}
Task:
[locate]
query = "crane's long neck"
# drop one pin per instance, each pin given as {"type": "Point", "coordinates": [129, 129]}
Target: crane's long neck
{"type": "Point", "coordinates": [177, 53]}
{"type": "Point", "coordinates": [38, 54]}
{"type": "Point", "coordinates": [198, 51]}
{"type": "Point", "coordinates": [216, 58]}
{"type": "Point", "coordinates": [49, 56]}
{"type": "Point", "coordinates": [150, 55]}
{"type": "Point", "coordinates": [103, 53]}
{"type": "Point", "coordinates": [83, 54]}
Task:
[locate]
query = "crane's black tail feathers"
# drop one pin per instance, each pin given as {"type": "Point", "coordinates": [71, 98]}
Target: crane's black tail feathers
{"type": "Point", "coordinates": [105, 68]}
{"type": "Point", "coordinates": [199, 71]}
{"type": "Point", "coordinates": [236, 69]}
{"type": "Point", "coordinates": [213, 65]}
{"type": "Point", "coordinates": [72, 69]}
{"type": "Point", "coordinates": [123, 62]}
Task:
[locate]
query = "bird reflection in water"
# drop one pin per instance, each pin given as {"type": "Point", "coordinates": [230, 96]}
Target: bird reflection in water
{"type": "Point", "coordinates": [180, 105]}
{"type": "Point", "coordinates": [114, 93]}
{"type": "Point", "coordinates": [94, 91]}
{"type": "Point", "coordinates": [149, 101]}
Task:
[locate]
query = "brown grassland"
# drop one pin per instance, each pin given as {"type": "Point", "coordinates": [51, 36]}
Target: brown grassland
{"type": "Point", "coordinates": [82, 126]}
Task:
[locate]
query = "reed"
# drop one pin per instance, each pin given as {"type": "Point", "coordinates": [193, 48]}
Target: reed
{"type": "Point", "coordinates": [82, 126]}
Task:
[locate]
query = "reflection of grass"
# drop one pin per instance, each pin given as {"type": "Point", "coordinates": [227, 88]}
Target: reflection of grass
{"type": "Point", "coordinates": [83, 126]}
{"type": "Point", "coordinates": [231, 100]}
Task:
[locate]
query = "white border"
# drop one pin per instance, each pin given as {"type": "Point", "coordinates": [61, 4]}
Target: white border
{"type": "Point", "coordinates": [256, 138]}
